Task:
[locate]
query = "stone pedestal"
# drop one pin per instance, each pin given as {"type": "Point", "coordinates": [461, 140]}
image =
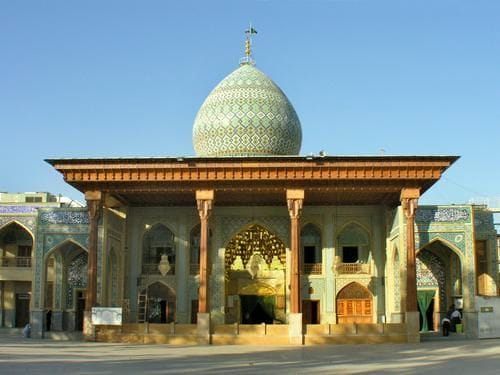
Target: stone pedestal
{"type": "Point", "coordinates": [37, 324]}
{"type": "Point", "coordinates": [397, 318]}
{"type": "Point", "coordinates": [9, 317]}
{"type": "Point", "coordinates": [88, 328]}
{"type": "Point", "coordinates": [57, 321]}
{"type": "Point", "coordinates": [471, 324]}
{"type": "Point", "coordinates": [70, 321]}
{"type": "Point", "coordinates": [295, 329]}
{"type": "Point", "coordinates": [413, 326]}
{"type": "Point", "coordinates": [203, 328]}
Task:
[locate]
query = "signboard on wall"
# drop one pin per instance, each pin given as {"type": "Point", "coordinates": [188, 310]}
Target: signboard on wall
{"type": "Point", "coordinates": [107, 316]}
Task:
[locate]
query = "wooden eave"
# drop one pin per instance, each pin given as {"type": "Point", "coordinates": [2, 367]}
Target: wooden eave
{"type": "Point", "coordinates": [255, 180]}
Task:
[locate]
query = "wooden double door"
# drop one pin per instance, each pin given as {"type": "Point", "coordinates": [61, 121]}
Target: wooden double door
{"type": "Point", "coordinates": [354, 311]}
{"type": "Point", "coordinates": [22, 309]}
{"type": "Point", "coordinates": [354, 304]}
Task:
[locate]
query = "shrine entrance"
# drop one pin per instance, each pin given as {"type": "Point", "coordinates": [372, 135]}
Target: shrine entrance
{"type": "Point", "coordinates": [439, 283]}
{"type": "Point", "coordinates": [354, 304]}
{"type": "Point", "coordinates": [22, 309]}
{"type": "Point", "coordinates": [255, 277]}
{"type": "Point", "coordinates": [65, 275]}
{"type": "Point", "coordinates": [257, 309]}
{"type": "Point", "coordinates": [159, 303]}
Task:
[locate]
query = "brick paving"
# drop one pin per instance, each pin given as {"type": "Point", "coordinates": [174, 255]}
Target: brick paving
{"type": "Point", "coordinates": [29, 356]}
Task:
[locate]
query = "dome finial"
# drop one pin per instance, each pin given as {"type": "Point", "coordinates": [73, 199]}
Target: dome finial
{"type": "Point", "coordinates": [248, 46]}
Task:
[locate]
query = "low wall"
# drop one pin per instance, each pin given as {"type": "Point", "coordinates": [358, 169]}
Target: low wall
{"type": "Point", "coordinates": [176, 334]}
{"type": "Point", "coordinates": [488, 317]}
{"type": "Point", "coordinates": [253, 334]}
{"type": "Point", "coordinates": [319, 334]}
{"type": "Point", "coordinates": [250, 334]}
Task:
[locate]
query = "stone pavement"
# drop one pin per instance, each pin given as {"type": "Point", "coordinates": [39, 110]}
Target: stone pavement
{"type": "Point", "coordinates": [29, 356]}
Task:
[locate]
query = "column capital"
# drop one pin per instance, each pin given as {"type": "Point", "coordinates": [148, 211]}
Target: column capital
{"type": "Point", "coordinates": [409, 206]}
{"type": "Point", "coordinates": [204, 203]}
{"type": "Point", "coordinates": [93, 195]}
{"type": "Point", "coordinates": [295, 201]}
{"type": "Point", "coordinates": [410, 193]}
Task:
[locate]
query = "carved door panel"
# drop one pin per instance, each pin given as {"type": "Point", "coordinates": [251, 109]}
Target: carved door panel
{"type": "Point", "coordinates": [354, 305]}
{"type": "Point", "coordinates": [354, 311]}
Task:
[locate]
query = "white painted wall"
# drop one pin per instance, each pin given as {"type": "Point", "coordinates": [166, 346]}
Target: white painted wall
{"type": "Point", "coordinates": [488, 322]}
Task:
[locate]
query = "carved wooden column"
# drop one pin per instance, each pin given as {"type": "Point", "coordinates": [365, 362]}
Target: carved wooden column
{"type": "Point", "coordinates": [409, 202]}
{"type": "Point", "coordinates": [94, 205]}
{"type": "Point", "coordinates": [204, 200]}
{"type": "Point", "coordinates": [295, 199]}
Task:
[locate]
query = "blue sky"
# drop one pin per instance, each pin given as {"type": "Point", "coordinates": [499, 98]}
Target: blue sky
{"type": "Point", "coordinates": [126, 78]}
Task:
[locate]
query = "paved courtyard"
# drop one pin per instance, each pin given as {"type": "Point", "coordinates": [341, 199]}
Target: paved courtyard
{"type": "Point", "coordinates": [28, 356]}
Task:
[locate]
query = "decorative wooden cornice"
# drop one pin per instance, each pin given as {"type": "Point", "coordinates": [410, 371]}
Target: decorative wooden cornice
{"type": "Point", "coordinates": [195, 169]}
{"type": "Point", "coordinates": [257, 175]}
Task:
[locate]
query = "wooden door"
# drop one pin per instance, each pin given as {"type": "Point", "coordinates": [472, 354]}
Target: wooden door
{"type": "Point", "coordinates": [22, 309]}
{"type": "Point", "coordinates": [194, 311]}
{"type": "Point", "coordinates": [310, 312]}
{"type": "Point", "coordinates": [80, 308]}
{"type": "Point", "coordinates": [354, 305]}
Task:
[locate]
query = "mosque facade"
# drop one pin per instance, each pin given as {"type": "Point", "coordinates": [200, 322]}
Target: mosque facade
{"type": "Point", "coordinates": [249, 241]}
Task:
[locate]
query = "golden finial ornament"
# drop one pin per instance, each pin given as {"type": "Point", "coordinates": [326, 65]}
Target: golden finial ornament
{"type": "Point", "coordinates": [248, 46]}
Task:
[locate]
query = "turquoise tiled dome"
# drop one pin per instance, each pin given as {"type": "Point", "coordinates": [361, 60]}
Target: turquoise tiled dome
{"type": "Point", "coordinates": [246, 114]}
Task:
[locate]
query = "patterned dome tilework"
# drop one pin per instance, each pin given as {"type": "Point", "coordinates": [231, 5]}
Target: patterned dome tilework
{"type": "Point", "coordinates": [246, 114]}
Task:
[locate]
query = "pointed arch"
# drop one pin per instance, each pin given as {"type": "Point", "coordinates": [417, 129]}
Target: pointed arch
{"type": "Point", "coordinates": [311, 253]}
{"type": "Point", "coordinates": [248, 225]}
{"type": "Point", "coordinates": [157, 240]}
{"type": "Point", "coordinates": [354, 243]}
{"type": "Point", "coordinates": [356, 224]}
{"type": "Point", "coordinates": [61, 245]}
{"type": "Point", "coordinates": [354, 304]}
{"type": "Point", "coordinates": [354, 290]}
{"type": "Point", "coordinates": [445, 243]}
{"type": "Point", "coordinates": [254, 238]}
{"type": "Point", "coordinates": [161, 302]}
{"type": "Point", "coordinates": [161, 286]}
{"type": "Point", "coordinates": [16, 222]}
{"type": "Point", "coordinates": [354, 233]}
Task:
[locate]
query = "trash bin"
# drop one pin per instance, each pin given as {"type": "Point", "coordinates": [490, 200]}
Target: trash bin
{"type": "Point", "coordinates": [460, 328]}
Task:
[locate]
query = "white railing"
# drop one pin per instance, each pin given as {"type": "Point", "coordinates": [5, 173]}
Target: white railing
{"type": "Point", "coordinates": [352, 268]}
{"type": "Point", "coordinates": [23, 262]}
{"type": "Point", "coordinates": [312, 268]}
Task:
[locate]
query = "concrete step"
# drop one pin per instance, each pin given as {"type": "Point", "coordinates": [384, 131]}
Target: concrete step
{"type": "Point", "coordinates": [64, 336]}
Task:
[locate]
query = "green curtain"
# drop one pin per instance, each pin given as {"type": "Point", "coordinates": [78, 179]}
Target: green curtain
{"type": "Point", "coordinates": [424, 298]}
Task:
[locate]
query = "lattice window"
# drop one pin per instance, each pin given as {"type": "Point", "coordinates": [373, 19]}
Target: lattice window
{"type": "Point", "coordinates": [255, 239]}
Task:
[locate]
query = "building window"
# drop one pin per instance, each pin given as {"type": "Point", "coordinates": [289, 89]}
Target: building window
{"type": "Point", "coordinates": [481, 268]}
{"type": "Point", "coordinates": [354, 250]}
{"type": "Point", "coordinates": [350, 254]}
{"type": "Point", "coordinates": [33, 199]}
{"type": "Point", "coordinates": [194, 250]}
{"type": "Point", "coordinates": [158, 241]}
{"type": "Point", "coordinates": [310, 237]}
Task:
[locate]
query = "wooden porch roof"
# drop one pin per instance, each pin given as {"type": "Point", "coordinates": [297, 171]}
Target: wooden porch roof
{"type": "Point", "coordinates": [338, 180]}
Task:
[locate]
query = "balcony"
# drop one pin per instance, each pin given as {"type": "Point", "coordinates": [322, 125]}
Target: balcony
{"type": "Point", "coordinates": [23, 262]}
{"type": "Point", "coordinates": [15, 268]}
{"type": "Point", "coordinates": [152, 269]}
{"type": "Point", "coordinates": [352, 268]}
{"type": "Point", "coordinates": [312, 268]}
